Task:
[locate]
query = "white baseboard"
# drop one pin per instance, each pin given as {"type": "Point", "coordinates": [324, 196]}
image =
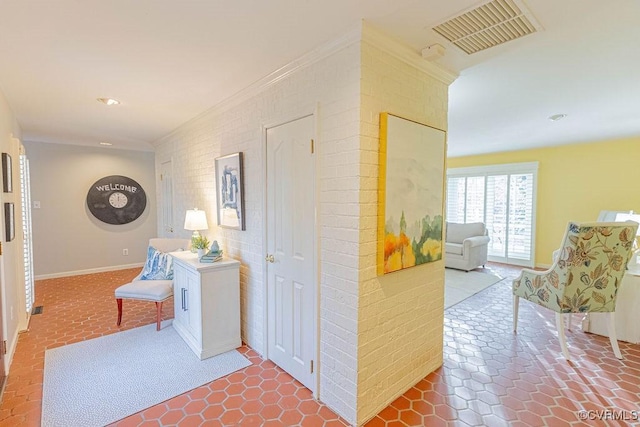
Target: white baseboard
{"type": "Point", "coordinates": [8, 358]}
{"type": "Point", "coordinates": [545, 266]}
{"type": "Point", "coordinates": [88, 271]}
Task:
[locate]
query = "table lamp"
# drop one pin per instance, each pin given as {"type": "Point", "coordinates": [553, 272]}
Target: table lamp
{"type": "Point", "coordinates": [195, 220]}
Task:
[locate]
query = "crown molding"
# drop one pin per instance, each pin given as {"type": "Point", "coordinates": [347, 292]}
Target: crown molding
{"type": "Point", "coordinates": [404, 53]}
{"type": "Point", "coordinates": [309, 58]}
{"type": "Point", "coordinates": [350, 38]}
{"type": "Point", "coordinates": [363, 32]}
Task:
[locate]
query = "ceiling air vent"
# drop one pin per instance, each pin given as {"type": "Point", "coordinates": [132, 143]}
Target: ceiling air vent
{"type": "Point", "coordinates": [491, 24]}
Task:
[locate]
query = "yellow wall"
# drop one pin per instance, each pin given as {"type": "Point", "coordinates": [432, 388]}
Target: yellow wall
{"type": "Point", "coordinates": [575, 182]}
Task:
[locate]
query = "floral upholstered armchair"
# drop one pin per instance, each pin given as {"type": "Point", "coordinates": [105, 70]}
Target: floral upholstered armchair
{"type": "Point", "coordinates": [583, 278]}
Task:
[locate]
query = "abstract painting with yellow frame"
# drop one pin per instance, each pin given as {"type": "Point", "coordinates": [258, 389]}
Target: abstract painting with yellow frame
{"type": "Point", "coordinates": [410, 194]}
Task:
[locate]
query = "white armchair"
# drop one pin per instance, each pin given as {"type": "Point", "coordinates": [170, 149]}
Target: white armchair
{"type": "Point", "coordinates": [149, 285]}
{"type": "Point", "coordinates": [466, 246]}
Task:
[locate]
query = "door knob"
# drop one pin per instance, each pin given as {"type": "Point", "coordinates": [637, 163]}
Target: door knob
{"type": "Point", "coordinates": [270, 258]}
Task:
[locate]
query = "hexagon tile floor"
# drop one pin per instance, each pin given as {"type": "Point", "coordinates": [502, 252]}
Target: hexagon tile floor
{"type": "Point", "coordinates": [490, 376]}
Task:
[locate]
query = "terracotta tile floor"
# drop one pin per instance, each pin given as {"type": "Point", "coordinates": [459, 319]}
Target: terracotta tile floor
{"type": "Point", "coordinates": [490, 377]}
{"type": "Point", "coordinates": [83, 307]}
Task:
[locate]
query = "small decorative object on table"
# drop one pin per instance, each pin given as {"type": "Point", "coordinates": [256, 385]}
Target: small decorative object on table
{"type": "Point", "coordinates": [200, 243]}
{"type": "Point", "coordinates": [215, 254]}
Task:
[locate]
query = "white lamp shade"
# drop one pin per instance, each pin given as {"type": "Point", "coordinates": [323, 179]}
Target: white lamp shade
{"type": "Point", "coordinates": [195, 220]}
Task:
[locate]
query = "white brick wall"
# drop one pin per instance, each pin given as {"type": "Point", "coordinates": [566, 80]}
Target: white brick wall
{"type": "Point", "coordinates": [377, 336]}
{"type": "Point", "coordinates": [332, 84]}
{"type": "Point", "coordinates": [400, 318]}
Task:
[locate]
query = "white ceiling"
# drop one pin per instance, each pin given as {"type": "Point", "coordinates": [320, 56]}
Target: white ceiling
{"type": "Point", "coordinates": [170, 60]}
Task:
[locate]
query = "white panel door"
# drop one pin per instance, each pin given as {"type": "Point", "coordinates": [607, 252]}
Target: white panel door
{"type": "Point", "coordinates": [291, 258]}
{"type": "Point", "coordinates": [166, 198]}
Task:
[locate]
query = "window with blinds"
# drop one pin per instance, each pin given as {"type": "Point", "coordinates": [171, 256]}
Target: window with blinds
{"type": "Point", "coordinates": [25, 199]}
{"type": "Point", "coordinates": [503, 197]}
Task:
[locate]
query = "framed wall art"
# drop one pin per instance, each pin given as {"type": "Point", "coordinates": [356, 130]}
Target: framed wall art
{"type": "Point", "coordinates": [229, 191]}
{"type": "Point", "coordinates": [9, 222]}
{"type": "Point", "coordinates": [116, 199]}
{"type": "Point", "coordinates": [7, 185]}
{"type": "Point", "coordinates": [410, 194]}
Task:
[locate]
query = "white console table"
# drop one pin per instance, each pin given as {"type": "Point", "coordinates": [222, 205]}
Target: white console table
{"type": "Point", "coordinates": [206, 303]}
{"type": "Point", "coordinates": [627, 310]}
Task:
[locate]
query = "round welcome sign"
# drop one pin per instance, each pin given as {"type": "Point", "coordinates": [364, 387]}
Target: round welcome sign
{"type": "Point", "coordinates": [116, 199]}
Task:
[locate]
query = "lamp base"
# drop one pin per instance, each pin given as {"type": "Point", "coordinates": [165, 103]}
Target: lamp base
{"type": "Point", "coordinates": [194, 236]}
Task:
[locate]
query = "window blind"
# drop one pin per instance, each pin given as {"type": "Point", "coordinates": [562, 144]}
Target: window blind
{"type": "Point", "coordinates": [475, 199]}
{"type": "Point", "coordinates": [456, 199]}
{"type": "Point", "coordinates": [503, 197]}
{"type": "Point", "coordinates": [27, 250]}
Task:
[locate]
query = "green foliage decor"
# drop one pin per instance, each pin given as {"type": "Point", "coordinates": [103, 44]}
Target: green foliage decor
{"type": "Point", "coordinates": [200, 242]}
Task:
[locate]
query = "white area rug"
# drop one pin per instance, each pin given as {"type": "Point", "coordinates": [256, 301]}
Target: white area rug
{"type": "Point", "coordinates": [99, 381]}
{"type": "Point", "coordinates": [460, 285]}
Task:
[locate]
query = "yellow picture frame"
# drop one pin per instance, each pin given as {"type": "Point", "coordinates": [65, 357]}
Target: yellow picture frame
{"type": "Point", "coordinates": [411, 196]}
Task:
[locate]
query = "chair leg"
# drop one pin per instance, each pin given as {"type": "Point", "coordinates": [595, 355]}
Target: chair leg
{"type": "Point", "coordinates": [158, 314]}
{"type": "Point", "coordinates": [516, 304]}
{"type": "Point", "coordinates": [119, 302]}
{"type": "Point", "coordinates": [561, 337]}
{"type": "Point", "coordinates": [570, 315]}
{"type": "Point", "coordinates": [611, 328]}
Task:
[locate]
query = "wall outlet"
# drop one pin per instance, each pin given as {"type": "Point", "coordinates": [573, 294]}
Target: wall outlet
{"type": "Point", "coordinates": [125, 252]}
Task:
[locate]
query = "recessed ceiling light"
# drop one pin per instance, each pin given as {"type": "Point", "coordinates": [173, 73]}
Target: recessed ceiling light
{"type": "Point", "coordinates": [109, 101]}
{"type": "Point", "coordinates": [557, 117]}
{"type": "Point", "coordinates": [106, 144]}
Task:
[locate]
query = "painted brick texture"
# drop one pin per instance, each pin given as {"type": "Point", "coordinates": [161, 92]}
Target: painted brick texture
{"type": "Point", "coordinates": [332, 86]}
{"type": "Point", "coordinates": [378, 336]}
{"type": "Point", "coordinates": [400, 316]}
